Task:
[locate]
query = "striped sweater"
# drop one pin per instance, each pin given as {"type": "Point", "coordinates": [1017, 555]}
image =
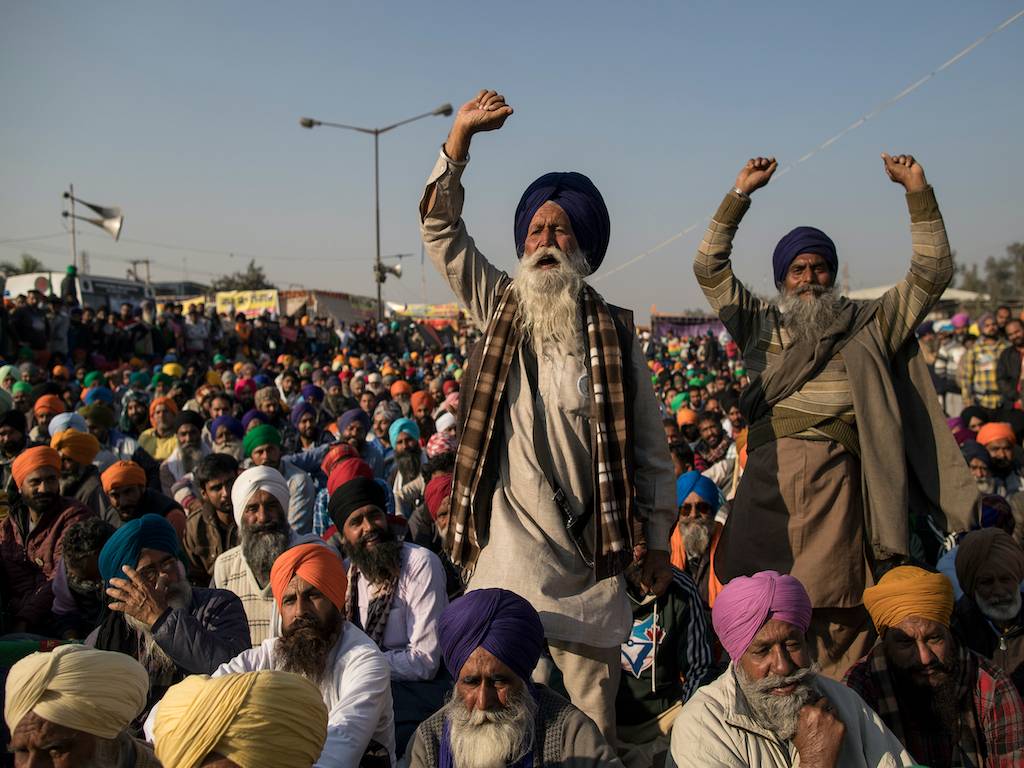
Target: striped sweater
{"type": "Point", "coordinates": [755, 323]}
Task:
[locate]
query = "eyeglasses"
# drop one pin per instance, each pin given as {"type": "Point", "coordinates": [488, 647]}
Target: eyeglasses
{"type": "Point", "coordinates": [166, 566]}
{"type": "Point", "coordinates": [687, 509]}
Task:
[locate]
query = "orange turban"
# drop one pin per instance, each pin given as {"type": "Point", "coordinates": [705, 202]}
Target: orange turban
{"type": "Point", "coordinates": [315, 564]}
{"type": "Point", "coordinates": [122, 474]}
{"type": "Point", "coordinates": [30, 460]}
{"type": "Point", "coordinates": [996, 430]}
{"type": "Point", "coordinates": [422, 398]}
{"type": "Point", "coordinates": [686, 416]}
{"type": "Point", "coordinates": [48, 404]}
{"type": "Point", "coordinates": [909, 591]}
{"type": "Point", "coordinates": [77, 446]}
{"type": "Point", "coordinates": [168, 401]}
{"type": "Point", "coordinates": [401, 388]}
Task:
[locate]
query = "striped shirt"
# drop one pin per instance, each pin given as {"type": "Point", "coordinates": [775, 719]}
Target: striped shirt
{"type": "Point", "coordinates": [756, 326]}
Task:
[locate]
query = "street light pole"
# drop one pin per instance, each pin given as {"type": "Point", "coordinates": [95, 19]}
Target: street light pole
{"type": "Point", "coordinates": [378, 268]}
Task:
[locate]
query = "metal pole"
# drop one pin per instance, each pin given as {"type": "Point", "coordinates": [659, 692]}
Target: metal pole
{"type": "Point", "coordinates": [74, 246]}
{"type": "Point", "coordinates": [376, 192]}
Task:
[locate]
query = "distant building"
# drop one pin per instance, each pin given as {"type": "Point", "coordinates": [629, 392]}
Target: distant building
{"type": "Point", "coordinates": [180, 288]}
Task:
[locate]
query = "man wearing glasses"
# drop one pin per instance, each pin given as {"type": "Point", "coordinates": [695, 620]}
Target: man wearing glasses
{"type": "Point", "coordinates": [172, 628]}
{"type": "Point", "coordinates": [696, 534]}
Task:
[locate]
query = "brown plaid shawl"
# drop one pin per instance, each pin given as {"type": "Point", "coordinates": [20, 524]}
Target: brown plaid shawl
{"type": "Point", "coordinates": [617, 527]}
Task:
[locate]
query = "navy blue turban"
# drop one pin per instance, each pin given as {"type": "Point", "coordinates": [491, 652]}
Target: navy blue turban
{"type": "Point", "coordinates": [582, 203]}
{"type": "Point", "coordinates": [354, 414]}
{"type": "Point", "coordinates": [803, 240]}
{"type": "Point", "coordinates": [123, 548]}
{"type": "Point", "coordinates": [497, 620]}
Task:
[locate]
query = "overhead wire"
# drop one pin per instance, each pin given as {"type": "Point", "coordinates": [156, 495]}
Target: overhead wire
{"type": "Point", "coordinates": [830, 141]}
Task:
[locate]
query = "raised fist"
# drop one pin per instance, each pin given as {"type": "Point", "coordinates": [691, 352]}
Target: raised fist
{"type": "Point", "coordinates": [487, 112]}
{"type": "Point", "coordinates": [755, 174]}
{"type": "Point", "coordinates": [903, 169]}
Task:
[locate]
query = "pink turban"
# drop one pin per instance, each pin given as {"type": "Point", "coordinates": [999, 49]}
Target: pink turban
{"type": "Point", "coordinates": [747, 603]}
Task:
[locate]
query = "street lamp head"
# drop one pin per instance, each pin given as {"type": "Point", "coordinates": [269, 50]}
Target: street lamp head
{"type": "Point", "coordinates": [444, 109]}
{"type": "Point", "coordinates": [308, 122]}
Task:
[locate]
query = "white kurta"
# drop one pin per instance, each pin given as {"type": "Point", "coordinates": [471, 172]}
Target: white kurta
{"type": "Point", "coordinates": [527, 549]}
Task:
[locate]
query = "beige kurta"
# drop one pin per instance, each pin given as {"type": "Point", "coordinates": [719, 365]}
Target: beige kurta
{"type": "Point", "coordinates": [527, 549]}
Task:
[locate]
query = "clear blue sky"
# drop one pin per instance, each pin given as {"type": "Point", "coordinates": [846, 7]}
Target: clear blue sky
{"type": "Point", "coordinates": [186, 115]}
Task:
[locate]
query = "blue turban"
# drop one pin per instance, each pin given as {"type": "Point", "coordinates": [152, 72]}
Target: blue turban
{"type": "Point", "coordinates": [803, 240]}
{"type": "Point", "coordinates": [695, 482]}
{"type": "Point", "coordinates": [123, 548]}
{"type": "Point", "coordinates": [300, 410]}
{"type": "Point", "coordinates": [497, 620]}
{"type": "Point", "coordinates": [63, 421]}
{"type": "Point", "coordinates": [253, 415]}
{"type": "Point", "coordinates": [312, 392]}
{"type": "Point", "coordinates": [262, 380]}
{"type": "Point", "coordinates": [582, 203]}
{"type": "Point", "coordinates": [354, 414]}
{"type": "Point", "coordinates": [234, 426]}
{"type": "Point", "coordinates": [398, 426]}
{"type": "Point", "coordinates": [100, 394]}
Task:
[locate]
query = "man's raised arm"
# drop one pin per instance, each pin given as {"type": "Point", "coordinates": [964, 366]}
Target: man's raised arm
{"type": "Point", "coordinates": [735, 306]}
{"type": "Point", "coordinates": [906, 304]}
{"type": "Point", "coordinates": [473, 279]}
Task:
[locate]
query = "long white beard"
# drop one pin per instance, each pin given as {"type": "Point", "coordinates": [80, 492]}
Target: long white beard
{"type": "Point", "coordinates": [1006, 609]}
{"type": "Point", "coordinates": [806, 319]}
{"type": "Point", "coordinates": [493, 738]}
{"type": "Point", "coordinates": [778, 714]}
{"type": "Point", "coordinates": [549, 299]}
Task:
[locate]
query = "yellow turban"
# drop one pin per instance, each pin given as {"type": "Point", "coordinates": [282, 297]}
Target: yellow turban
{"type": "Point", "coordinates": [909, 591]}
{"type": "Point", "coordinates": [77, 446]}
{"type": "Point", "coordinates": [253, 719]}
{"type": "Point", "coordinates": [98, 692]}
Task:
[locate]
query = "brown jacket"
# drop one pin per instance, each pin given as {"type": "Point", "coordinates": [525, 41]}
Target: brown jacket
{"type": "Point", "coordinates": [205, 539]}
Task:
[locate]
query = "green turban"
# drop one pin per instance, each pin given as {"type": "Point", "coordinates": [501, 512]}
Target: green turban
{"type": "Point", "coordinates": [264, 434]}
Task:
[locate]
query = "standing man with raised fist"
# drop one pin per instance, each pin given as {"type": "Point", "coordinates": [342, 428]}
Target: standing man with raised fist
{"type": "Point", "coordinates": [846, 437]}
{"type": "Point", "coordinates": [562, 479]}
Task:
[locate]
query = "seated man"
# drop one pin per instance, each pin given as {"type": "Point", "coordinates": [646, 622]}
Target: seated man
{"type": "Point", "coordinates": [159, 441]}
{"type": "Point", "coordinates": [128, 498]}
{"type": "Point", "coordinates": [1000, 441]}
{"type": "Point", "coordinates": [188, 431]}
{"type": "Point", "coordinates": [396, 593]}
{"type": "Point", "coordinates": [172, 628]}
{"type": "Point", "coordinates": [945, 703]}
{"type": "Point", "coordinates": [210, 529]}
{"type": "Point", "coordinates": [404, 436]}
{"type": "Point", "coordinates": [770, 707]}
{"type": "Point", "coordinates": [290, 712]}
{"type": "Point", "coordinates": [666, 657]}
{"type": "Point", "coordinates": [263, 445]}
{"type": "Point", "coordinates": [696, 534]}
{"type": "Point", "coordinates": [259, 499]}
{"type": "Point", "coordinates": [78, 703]}
{"type": "Point", "coordinates": [13, 440]}
{"type": "Point", "coordinates": [492, 639]}
{"type": "Point", "coordinates": [79, 601]}
{"type": "Point", "coordinates": [353, 426]}
{"type": "Point", "coordinates": [79, 479]}
{"type": "Point", "coordinates": [989, 617]}
{"type": "Point", "coordinates": [309, 587]}
{"type": "Point", "coordinates": [31, 537]}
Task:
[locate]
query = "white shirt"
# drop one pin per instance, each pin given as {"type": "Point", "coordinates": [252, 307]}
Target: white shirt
{"type": "Point", "coordinates": [411, 640]}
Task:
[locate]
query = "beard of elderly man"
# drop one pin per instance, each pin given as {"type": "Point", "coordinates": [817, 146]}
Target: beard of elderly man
{"type": "Point", "coordinates": [264, 533]}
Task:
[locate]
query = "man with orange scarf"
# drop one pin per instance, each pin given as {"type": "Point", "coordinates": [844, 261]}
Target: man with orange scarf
{"type": "Point", "coordinates": [31, 539]}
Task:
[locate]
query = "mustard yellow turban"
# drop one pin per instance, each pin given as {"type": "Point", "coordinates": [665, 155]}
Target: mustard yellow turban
{"type": "Point", "coordinates": [98, 692]}
{"type": "Point", "coordinates": [909, 591]}
{"type": "Point", "coordinates": [254, 719]}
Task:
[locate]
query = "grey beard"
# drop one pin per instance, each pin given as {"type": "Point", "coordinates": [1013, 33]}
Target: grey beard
{"type": "Point", "coordinates": [807, 320]}
{"type": "Point", "coordinates": [493, 738]}
{"type": "Point", "coordinates": [190, 457]}
{"type": "Point", "coordinates": [1006, 609]}
{"type": "Point", "coordinates": [409, 465]}
{"type": "Point", "coordinates": [261, 548]}
{"type": "Point", "coordinates": [549, 299]}
{"type": "Point", "coordinates": [779, 714]}
{"type": "Point", "coordinates": [696, 537]}
{"type": "Point", "coordinates": [160, 666]}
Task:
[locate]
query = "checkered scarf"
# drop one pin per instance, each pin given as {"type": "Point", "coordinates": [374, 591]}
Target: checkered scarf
{"type": "Point", "coordinates": [617, 528]}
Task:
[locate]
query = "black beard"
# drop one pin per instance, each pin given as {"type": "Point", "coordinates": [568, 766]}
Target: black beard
{"type": "Point", "coordinates": [303, 648]}
{"type": "Point", "coordinates": [41, 502]}
{"type": "Point", "coordinates": [409, 464]}
{"type": "Point", "coordinates": [380, 564]}
{"type": "Point", "coordinates": [929, 702]}
{"type": "Point", "coordinates": [261, 546]}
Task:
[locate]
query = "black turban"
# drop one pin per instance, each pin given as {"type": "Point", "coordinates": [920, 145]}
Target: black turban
{"type": "Point", "coordinates": [357, 493]}
{"type": "Point", "coordinates": [188, 417]}
{"type": "Point", "coordinates": [14, 419]}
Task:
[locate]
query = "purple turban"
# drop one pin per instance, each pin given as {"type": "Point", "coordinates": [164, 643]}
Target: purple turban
{"type": "Point", "coordinates": [497, 620]}
{"type": "Point", "coordinates": [253, 415]}
{"type": "Point", "coordinates": [234, 426]}
{"type": "Point", "coordinates": [354, 414]}
{"type": "Point", "coordinates": [300, 410]}
{"type": "Point", "coordinates": [747, 603]}
{"type": "Point", "coordinates": [582, 203]}
{"type": "Point", "coordinates": [312, 392]}
{"type": "Point", "coordinates": [803, 240]}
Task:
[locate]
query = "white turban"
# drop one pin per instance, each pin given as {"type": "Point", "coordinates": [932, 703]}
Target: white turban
{"type": "Point", "coordinates": [65, 421]}
{"type": "Point", "coordinates": [258, 479]}
{"type": "Point", "coordinates": [98, 692]}
{"type": "Point", "coordinates": [444, 421]}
